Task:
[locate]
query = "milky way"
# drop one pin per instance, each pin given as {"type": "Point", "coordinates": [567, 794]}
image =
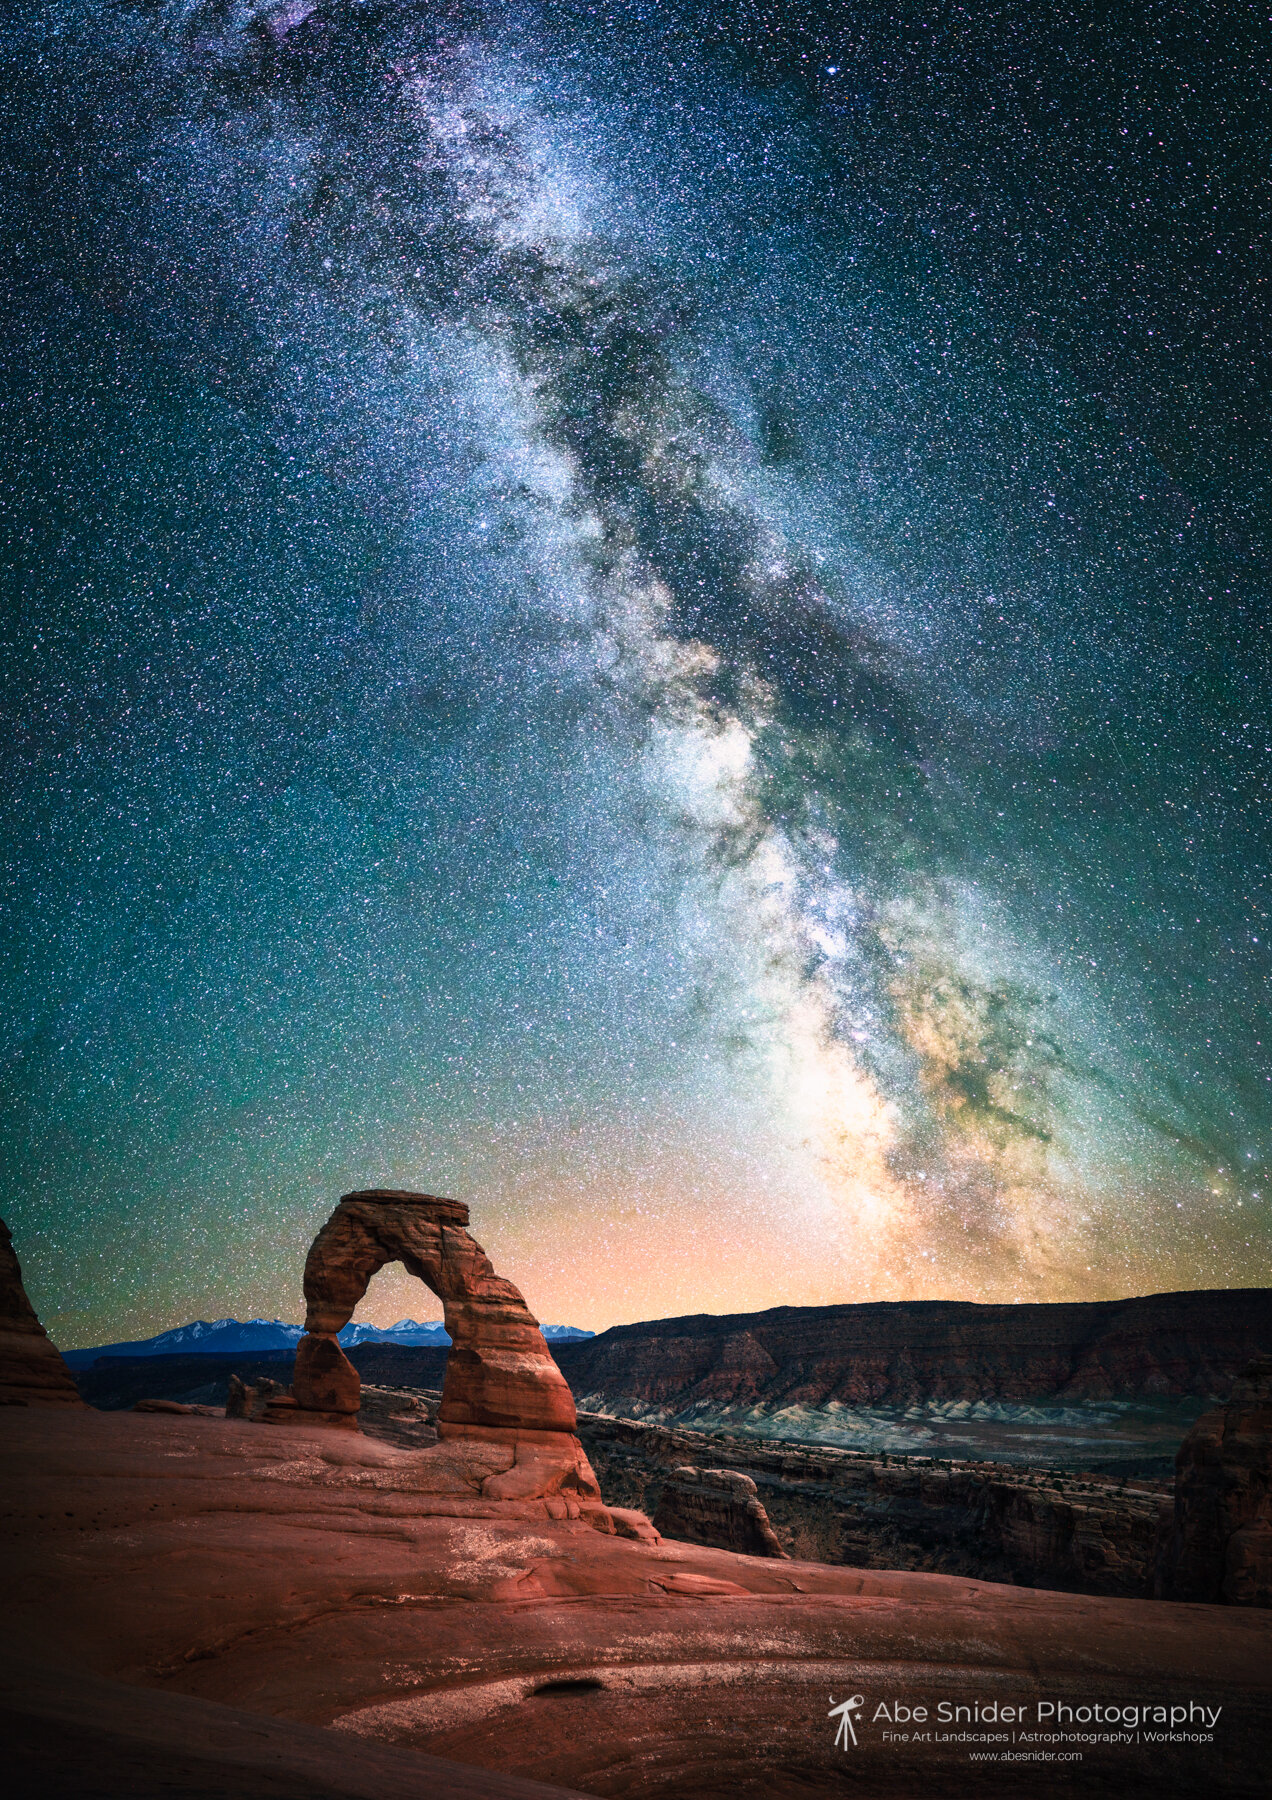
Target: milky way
{"type": "Point", "coordinates": [583, 637]}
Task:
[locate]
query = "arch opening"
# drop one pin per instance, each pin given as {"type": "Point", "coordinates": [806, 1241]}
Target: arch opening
{"type": "Point", "coordinates": [395, 1297]}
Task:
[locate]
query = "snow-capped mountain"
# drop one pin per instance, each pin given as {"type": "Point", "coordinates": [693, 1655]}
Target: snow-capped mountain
{"type": "Point", "coordinates": [406, 1331]}
{"type": "Point", "coordinates": [255, 1337]}
{"type": "Point", "coordinates": [262, 1337]}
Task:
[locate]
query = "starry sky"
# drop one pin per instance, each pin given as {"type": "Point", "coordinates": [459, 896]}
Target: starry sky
{"type": "Point", "coordinates": [649, 615]}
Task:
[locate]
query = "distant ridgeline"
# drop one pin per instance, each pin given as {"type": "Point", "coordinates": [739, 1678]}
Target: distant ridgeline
{"type": "Point", "coordinates": [265, 1337]}
{"type": "Point", "coordinates": [765, 1370]}
{"type": "Point", "coordinates": [1108, 1384]}
{"type": "Point", "coordinates": [913, 1352]}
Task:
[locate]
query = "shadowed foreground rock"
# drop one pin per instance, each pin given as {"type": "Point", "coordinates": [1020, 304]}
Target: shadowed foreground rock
{"type": "Point", "coordinates": [32, 1372]}
{"type": "Point", "coordinates": [244, 1400]}
{"type": "Point", "coordinates": [306, 1579]}
{"type": "Point", "coordinates": [87, 1738]}
{"type": "Point", "coordinates": [1220, 1543]}
{"type": "Point", "coordinates": [716, 1506]}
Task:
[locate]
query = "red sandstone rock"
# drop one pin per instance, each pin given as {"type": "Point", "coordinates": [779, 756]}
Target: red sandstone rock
{"type": "Point", "coordinates": [896, 1353]}
{"type": "Point", "coordinates": [502, 1386]}
{"type": "Point", "coordinates": [177, 1406]}
{"type": "Point", "coordinates": [1220, 1543]}
{"type": "Point", "coordinates": [629, 1522]}
{"type": "Point", "coordinates": [87, 1739]}
{"type": "Point", "coordinates": [249, 1401]}
{"type": "Point", "coordinates": [32, 1372]}
{"type": "Point", "coordinates": [324, 1380]}
{"type": "Point", "coordinates": [499, 1374]}
{"type": "Point", "coordinates": [317, 1577]}
{"type": "Point", "coordinates": [716, 1506]}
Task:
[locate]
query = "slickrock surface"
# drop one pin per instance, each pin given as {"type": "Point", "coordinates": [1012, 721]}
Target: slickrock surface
{"type": "Point", "coordinates": [322, 1579]}
{"type": "Point", "coordinates": [1039, 1528]}
{"type": "Point", "coordinates": [32, 1372]}
{"type": "Point", "coordinates": [718, 1507]}
{"type": "Point", "coordinates": [77, 1737]}
{"type": "Point", "coordinates": [906, 1352]}
{"type": "Point", "coordinates": [1220, 1545]}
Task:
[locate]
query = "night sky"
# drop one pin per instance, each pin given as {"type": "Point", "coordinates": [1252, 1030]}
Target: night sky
{"type": "Point", "coordinates": [651, 616]}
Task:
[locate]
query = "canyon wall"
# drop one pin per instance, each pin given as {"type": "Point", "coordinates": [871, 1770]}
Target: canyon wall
{"type": "Point", "coordinates": [1029, 1527]}
{"type": "Point", "coordinates": [896, 1354]}
{"type": "Point", "coordinates": [1219, 1546]}
{"type": "Point", "coordinates": [1112, 1385]}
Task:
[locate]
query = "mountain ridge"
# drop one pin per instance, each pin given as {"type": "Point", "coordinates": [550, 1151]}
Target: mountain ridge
{"type": "Point", "coordinates": [234, 1337]}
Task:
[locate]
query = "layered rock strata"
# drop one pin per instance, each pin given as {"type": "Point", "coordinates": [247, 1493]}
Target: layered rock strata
{"type": "Point", "coordinates": [502, 1388]}
{"type": "Point", "coordinates": [32, 1372]}
{"type": "Point", "coordinates": [1219, 1546]}
{"type": "Point", "coordinates": [1030, 1527]}
{"type": "Point", "coordinates": [903, 1353]}
{"type": "Point", "coordinates": [499, 1373]}
{"type": "Point", "coordinates": [715, 1506]}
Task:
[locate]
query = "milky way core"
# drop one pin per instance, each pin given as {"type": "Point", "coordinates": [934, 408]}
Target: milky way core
{"type": "Point", "coordinates": [651, 617]}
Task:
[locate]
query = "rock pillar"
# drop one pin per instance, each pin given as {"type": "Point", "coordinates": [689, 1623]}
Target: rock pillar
{"type": "Point", "coordinates": [1219, 1546]}
{"type": "Point", "coordinates": [720, 1507]}
{"type": "Point", "coordinates": [32, 1372]}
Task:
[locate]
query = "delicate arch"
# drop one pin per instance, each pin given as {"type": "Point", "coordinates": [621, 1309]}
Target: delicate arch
{"type": "Point", "coordinates": [500, 1375]}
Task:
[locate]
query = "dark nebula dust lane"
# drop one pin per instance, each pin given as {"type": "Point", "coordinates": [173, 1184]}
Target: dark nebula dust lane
{"type": "Point", "coordinates": [650, 615]}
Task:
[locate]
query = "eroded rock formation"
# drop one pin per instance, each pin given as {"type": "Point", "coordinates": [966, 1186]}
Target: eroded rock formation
{"type": "Point", "coordinates": [1220, 1542]}
{"type": "Point", "coordinates": [246, 1579]}
{"type": "Point", "coordinates": [32, 1372]}
{"type": "Point", "coordinates": [500, 1375]}
{"type": "Point", "coordinates": [502, 1387]}
{"type": "Point", "coordinates": [996, 1522]}
{"type": "Point", "coordinates": [718, 1507]}
{"type": "Point", "coordinates": [249, 1400]}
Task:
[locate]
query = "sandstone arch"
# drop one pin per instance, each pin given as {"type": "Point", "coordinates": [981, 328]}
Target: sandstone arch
{"type": "Point", "coordinates": [501, 1381]}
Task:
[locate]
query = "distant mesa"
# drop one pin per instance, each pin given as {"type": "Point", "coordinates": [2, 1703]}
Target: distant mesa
{"type": "Point", "coordinates": [915, 1352]}
{"type": "Point", "coordinates": [1110, 1384]}
{"type": "Point", "coordinates": [32, 1372]}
